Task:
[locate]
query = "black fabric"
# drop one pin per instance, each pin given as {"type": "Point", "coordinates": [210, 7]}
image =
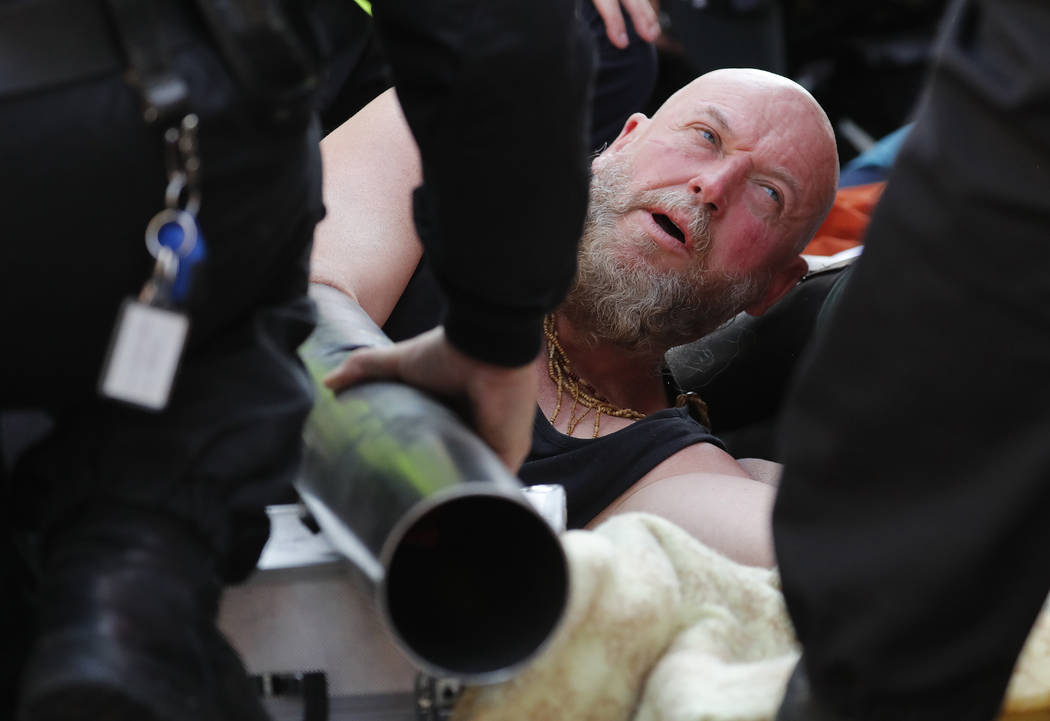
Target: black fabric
{"type": "Point", "coordinates": [527, 196]}
{"type": "Point", "coordinates": [90, 176]}
{"type": "Point", "coordinates": [127, 607]}
{"type": "Point", "coordinates": [83, 176]}
{"type": "Point", "coordinates": [624, 80]}
{"type": "Point", "coordinates": [742, 370]}
{"type": "Point", "coordinates": [420, 307]}
{"type": "Point", "coordinates": [36, 53]}
{"type": "Point", "coordinates": [596, 471]}
{"type": "Point", "coordinates": [15, 582]}
{"type": "Point", "coordinates": [359, 73]}
{"type": "Point", "coordinates": [799, 703]}
{"type": "Point", "coordinates": [911, 523]}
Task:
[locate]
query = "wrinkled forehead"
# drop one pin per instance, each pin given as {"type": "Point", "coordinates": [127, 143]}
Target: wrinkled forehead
{"type": "Point", "coordinates": [752, 103]}
{"type": "Point", "coordinates": [773, 117]}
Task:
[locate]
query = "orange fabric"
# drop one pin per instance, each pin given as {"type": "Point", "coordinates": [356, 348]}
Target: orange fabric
{"type": "Point", "coordinates": [845, 225]}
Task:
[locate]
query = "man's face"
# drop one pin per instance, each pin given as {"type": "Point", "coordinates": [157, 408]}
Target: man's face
{"type": "Point", "coordinates": [715, 191]}
{"type": "Point", "coordinates": [624, 294]}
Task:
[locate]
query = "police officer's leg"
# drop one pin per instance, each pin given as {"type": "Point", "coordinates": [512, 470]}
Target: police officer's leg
{"type": "Point", "coordinates": [911, 523]}
{"type": "Point", "coordinates": [145, 517]}
{"type": "Point", "coordinates": [138, 518]}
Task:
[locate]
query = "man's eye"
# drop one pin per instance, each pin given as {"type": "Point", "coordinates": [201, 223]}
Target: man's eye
{"type": "Point", "coordinates": [772, 192]}
{"type": "Point", "coordinates": [709, 136]}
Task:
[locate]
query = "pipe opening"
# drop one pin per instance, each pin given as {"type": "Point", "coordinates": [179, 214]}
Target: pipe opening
{"type": "Point", "coordinates": [476, 585]}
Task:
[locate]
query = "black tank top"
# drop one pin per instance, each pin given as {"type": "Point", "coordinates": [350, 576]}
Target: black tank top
{"type": "Point", "coordinates": [596, 471]}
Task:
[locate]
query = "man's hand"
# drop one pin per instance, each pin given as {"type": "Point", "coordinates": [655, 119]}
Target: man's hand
{"type": "Point", "coordinates": [502, 400]}
{"type": "Point", "coordinates": [643, 16]}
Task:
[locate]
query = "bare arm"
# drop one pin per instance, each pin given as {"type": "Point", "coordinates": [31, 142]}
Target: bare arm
{"type": "Point", "coordinates": [474, 80]}
{"type": "Point", "coordinates": [714, 497]}
{"type": "Point", "coordinates": [367, 245]}
{"type": "Point", "coordinates": [730, 514]}
{"type": "Point", "coordinates": [763, 470]}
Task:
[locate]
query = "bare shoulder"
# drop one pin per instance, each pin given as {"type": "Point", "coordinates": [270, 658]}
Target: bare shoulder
{"type": "Point", "coordinates": [697, 458]}
{"type": "Point", "coordinates": [727, 512]}
{"type": "Point", "coordinates": [763, 470]}
{"type": "Point", "coordinates": [711, 495]}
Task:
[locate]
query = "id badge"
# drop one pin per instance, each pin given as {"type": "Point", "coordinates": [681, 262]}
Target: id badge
{"type": "Point", "coordinates": [144, 355]}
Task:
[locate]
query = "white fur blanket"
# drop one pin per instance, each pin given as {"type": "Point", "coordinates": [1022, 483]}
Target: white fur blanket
{"type": "Point", "coordinates": [662, 628]}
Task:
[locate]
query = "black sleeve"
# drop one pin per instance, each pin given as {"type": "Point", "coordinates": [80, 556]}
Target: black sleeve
{"type": "Point", "coordinates": [911, 525]}
{"type": "Point", "coordinates": [496, 93]}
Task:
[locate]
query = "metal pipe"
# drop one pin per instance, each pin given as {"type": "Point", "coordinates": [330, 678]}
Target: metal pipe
{"type": "Point", "coordinates": [469, 579]}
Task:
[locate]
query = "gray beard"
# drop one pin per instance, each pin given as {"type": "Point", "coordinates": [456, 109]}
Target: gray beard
{"type": "Point", "coordinates": [621, 298]}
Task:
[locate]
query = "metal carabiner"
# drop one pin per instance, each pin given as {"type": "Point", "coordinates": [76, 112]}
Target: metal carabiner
{"type": "Point", "coordinates": [184, 219]}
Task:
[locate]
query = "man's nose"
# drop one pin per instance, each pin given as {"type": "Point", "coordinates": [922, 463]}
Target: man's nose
{"type": "Point", "coordinates": [714, 183]}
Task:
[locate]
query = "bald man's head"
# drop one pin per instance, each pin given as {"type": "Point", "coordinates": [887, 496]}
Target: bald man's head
{"type": "Point", "coordinates": [719, 190]}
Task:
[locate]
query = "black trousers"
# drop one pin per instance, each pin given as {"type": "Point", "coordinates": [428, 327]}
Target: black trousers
{"type": "Point", "coordinates": [86, 175]}
{"type": "Point", "coordinates": [911, 527]}
{"type": "Point", "coordinates": [83, 174]}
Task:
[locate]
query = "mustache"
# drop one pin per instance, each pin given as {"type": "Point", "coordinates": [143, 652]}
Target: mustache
{"type": "Point", "coordinates": [680, 204]}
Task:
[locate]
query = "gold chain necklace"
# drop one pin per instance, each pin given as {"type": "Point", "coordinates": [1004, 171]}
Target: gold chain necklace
{"type": "Point", "coordinates": [583, 393]}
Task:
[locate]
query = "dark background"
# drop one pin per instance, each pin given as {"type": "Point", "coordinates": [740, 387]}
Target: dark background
{"type": "Point", "coordinates": [864, 61]}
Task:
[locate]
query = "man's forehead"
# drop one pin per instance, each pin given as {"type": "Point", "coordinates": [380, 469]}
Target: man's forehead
{"type": "Point", "coordinates": [750, 130]}
{"type": "Point", "coordinates": [740, 108]}
{"type": "Point", "coordinates": [718, 116]}
{"type": "Point", "coordinates": [751, 113]}
{"type": "Point", "coordinates": [743, 90]}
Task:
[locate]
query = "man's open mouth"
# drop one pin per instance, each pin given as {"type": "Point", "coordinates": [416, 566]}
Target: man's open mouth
{"type": "Point", "coordinates": [668, 225]}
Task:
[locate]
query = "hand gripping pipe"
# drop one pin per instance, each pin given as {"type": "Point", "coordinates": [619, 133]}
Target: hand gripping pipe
{"type": "Point", "coordinates": [469, 579]}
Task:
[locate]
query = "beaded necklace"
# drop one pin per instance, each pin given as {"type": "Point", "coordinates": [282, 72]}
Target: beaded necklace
{"type": "Point", "coordinates": [585, 396]}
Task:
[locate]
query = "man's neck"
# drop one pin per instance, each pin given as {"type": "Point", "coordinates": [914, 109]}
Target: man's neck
{"type": "Point", "coordinates": [626, 378]}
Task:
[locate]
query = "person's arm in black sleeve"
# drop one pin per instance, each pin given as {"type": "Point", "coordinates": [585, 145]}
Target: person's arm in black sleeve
{"type": "Point", "coordinates": [496, 93]}
{"type": "Point", "coordinates": [911, 525]}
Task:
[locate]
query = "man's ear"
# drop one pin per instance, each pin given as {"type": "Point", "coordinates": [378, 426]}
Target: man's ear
{"type": "Point", "coordinates": [784, 280]}
{"type": "Point", "coordinates": [625, 137]}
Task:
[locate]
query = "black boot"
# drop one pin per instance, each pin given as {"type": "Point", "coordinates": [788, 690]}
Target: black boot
{"type": "Point", "coordinates": [127, 628]}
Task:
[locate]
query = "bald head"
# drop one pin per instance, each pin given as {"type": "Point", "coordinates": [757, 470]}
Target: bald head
{"type": "Point", "coordinates": [704, 208]}
{"type": "Point", "coordinates": [788, 115]}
